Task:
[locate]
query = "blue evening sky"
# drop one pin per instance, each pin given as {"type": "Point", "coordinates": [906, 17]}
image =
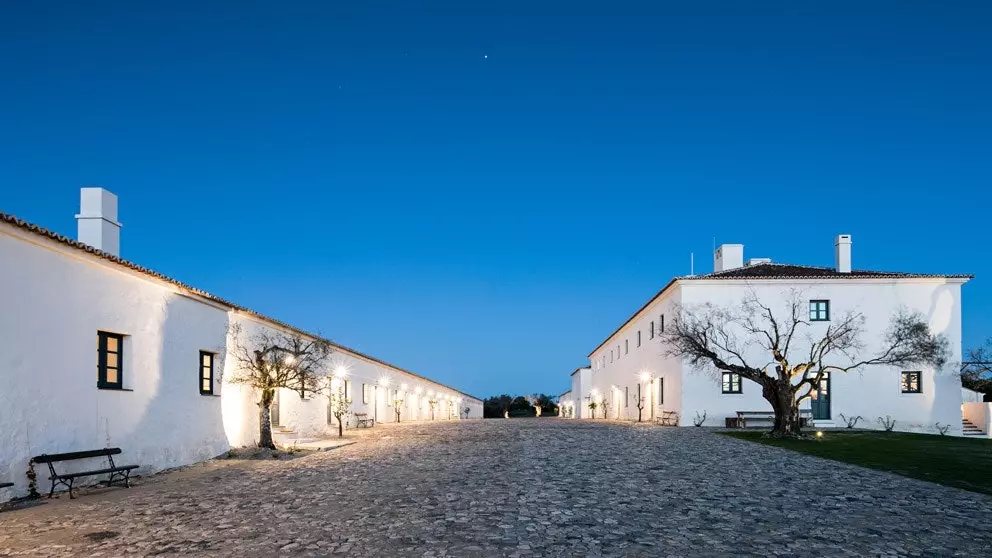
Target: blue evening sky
{"type": "Point", "coordinates": [481, 192]}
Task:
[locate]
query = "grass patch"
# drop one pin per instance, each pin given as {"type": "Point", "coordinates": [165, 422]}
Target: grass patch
{"type": "Point", "coordinates": [960, 462]}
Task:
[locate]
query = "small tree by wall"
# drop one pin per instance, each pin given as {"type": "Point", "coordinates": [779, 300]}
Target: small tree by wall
{"type": "Point", "coordinates": [592, 407]}
{"type": "Point", "coordinates": [269, 360]}
{"type": "Point", "coordinates": [340, 407]}
{"type": "Point", "coordinates": [397, 406]}
{"type": "Point", "coordinates": [432, 402]}
{"type": "Point", "coordinates": [640, 404]}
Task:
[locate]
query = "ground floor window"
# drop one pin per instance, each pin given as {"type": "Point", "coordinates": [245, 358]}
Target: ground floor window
{"type": "Point", "coordinates": [109, 360]}
{"type": "Point", "coordinates": [206, 373]}
{"type": "Point", "coordinates": [731, 383]}
{"type": "Point", "coordinates": [911, 382]}
{"type": "Point", "coordinates": [366, 393]}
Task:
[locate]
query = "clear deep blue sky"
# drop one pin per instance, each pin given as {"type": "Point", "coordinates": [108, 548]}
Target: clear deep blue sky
{"type": "Point", "coordinates": [481, 192]}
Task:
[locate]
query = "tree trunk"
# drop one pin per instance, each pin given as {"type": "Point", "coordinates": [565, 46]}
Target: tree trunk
{"type": "Point", "coordinates": [340, 426]}
{"type": "Point", "coordinates": [783, 399]}
{"type": "Point", "coordinates": [265, 420]}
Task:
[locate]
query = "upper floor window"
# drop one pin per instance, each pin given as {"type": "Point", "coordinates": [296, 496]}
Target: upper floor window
{"type": "Point", "coordinates": [819, 310]}
{"type": "Point", "coordinates": [638, 338]}
{"type": "Point", "coordinates": [731, 383]}
{"type": "Point", "coordinates": [604, 362]}
{"type": "Point", "coordinates": [911, 382]}
{"type": "Point", "coordinates": [661, 324]}
{"type": "Point", "coordinates": [206, 373]}
{"type": "Point", "coordinates": [626, 346]}
{"type": "Point", "coordinates": [109, 360]}
{"type": "Point", "coordinates": [651, 334]}
{"type": "Point", "coordinates": [611, 355]}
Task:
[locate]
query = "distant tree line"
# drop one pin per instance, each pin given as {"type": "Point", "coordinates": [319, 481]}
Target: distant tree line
{"type": "Point", "coordinates": [501, 406]}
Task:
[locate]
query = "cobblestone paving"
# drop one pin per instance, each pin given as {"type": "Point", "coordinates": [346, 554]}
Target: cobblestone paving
{"type": "Point", "coordinates": [517, 487]}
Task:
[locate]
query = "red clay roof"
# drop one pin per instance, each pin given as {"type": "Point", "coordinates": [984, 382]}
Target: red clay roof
{"type": "Point", "coordinates": [41, 231]}
{"type": "Point", "coordinates": [790, 271]}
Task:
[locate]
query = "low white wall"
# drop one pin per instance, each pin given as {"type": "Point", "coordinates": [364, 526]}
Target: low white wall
{"type": "Point", "coordinates": [969, 396]}
{"type": "Point", "coordinates": [979, 414]}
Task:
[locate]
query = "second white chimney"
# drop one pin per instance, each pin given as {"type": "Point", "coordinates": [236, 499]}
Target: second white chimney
{"type": "Point", "coordinates": [728, 256]}
{"type": "Point", "coordinates": [842, 253]}
{"type": "Point", "coordinates": [96, 223]}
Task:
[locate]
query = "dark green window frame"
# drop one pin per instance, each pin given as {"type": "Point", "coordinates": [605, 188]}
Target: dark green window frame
{"type": "Point", "coordinates": [819, 310]}
{"type": "Point", "coordinates": [661, 324]}
{"type": "Point", "coordinates": [731, 383]}
{"type": "Point", "coordinates": [104, 348]}
{"type": "Point", "coordinates": [911, 381]}
{"type": "Point", "coordinates": [206, 373]}
{"type": "Point", "coordinates": [651, 336]}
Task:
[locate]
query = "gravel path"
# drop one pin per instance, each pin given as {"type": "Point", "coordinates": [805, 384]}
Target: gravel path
{"type": "Point", "coordinates": [537, 487]}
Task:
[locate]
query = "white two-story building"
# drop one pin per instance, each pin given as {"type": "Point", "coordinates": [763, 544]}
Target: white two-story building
{"type": "Point", "coordinates": [632, 360]}
{"type": "Point", "coordinates": [96, 351]}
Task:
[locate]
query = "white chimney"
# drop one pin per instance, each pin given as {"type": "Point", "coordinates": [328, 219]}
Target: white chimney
{"type": "Point", "coordinates": [728, 256]}
{"type": "Point", "coordinates": [842, 253]}
{"type": "Point", "coordinates": [97, 220]}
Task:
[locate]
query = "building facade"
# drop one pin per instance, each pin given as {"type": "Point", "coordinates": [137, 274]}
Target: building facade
{"type": "Point", "coordinates": [632, 367]}
{"type": "Point", "coordinates": [97, 351]}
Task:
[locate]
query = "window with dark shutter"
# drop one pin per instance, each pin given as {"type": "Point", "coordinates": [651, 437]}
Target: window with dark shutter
{"type": "Point", "coordinates": [109, 360]}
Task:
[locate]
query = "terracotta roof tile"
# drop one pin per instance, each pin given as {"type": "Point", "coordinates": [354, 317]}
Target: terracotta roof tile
{"type": "Point", "coordinates": [790, 271]}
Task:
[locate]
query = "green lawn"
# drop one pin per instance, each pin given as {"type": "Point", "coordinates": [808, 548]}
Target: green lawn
{"type": "Point", "coordinates": [961, 462]}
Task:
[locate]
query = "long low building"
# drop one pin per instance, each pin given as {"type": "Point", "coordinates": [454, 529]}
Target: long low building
{"type": "Point", "coordinates": [632, 364]}
{"type": "Point", "coordinates": [97, 352]}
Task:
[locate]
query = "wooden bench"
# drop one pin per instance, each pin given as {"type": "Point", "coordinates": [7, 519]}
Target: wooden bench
{"type": "Point", "coordinates": [363, 420]}
{"type": "Point", "coordinates": [669, 418]}
{"type": "Point", "coordinates": [742, 417]}
{"type": "Point", "coordinates": [117, 473]}
{"type": "Point", "coordinates": [6, 484]}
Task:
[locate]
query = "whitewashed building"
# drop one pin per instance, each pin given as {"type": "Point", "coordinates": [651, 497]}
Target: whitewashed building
{"type": "Point", "coordinates": [96, 351]}
{"type": "Point", "coordinates": [632, 360]}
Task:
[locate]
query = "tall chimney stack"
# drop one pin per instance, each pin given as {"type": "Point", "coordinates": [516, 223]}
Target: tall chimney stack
{"type": "Point", "coordinates": [842, 253]}
{"type": "Point", "coordinates": [728, 256]}
{"type": "Point", "coordinates": [96, 222]}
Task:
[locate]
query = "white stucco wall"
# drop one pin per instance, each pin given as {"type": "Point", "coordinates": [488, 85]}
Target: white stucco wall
{"type": "Point", "coordinates": [626, 363]}
{"type": "Point", "coordinates": [970, 396]}
{"type": "Point", "coordinates": [871, 393]}
{"type": "Point", "coordinates": [54, 302]}
{"type": "Point", "coordinates": [56, 298]}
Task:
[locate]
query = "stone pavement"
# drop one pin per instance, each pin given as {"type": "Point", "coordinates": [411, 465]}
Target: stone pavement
{"type": "Point", "coordinates": [520, 487]}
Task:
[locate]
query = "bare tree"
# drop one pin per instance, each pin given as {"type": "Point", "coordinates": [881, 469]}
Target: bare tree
{"type": "Point", "coordinates": [535, 401]}
{"type": "Point", "coordinates": [640, 403]}
{"type": "Point", "coordinates": [976, 373]}
{"type": "Point", "coordinates": [432, 403]}
{"type": "Point", "coordinates": [397, 406]}
{"type": "Point", "coordinates": [340, 406]}
{"type": "Point", "coordinates": [799, 353]}
{"type": "Point", "coordinates": [268, 360]}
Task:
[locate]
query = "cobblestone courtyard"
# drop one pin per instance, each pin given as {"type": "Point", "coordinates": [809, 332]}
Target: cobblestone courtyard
{"type": "Point", "coordinates": [516, 488]}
